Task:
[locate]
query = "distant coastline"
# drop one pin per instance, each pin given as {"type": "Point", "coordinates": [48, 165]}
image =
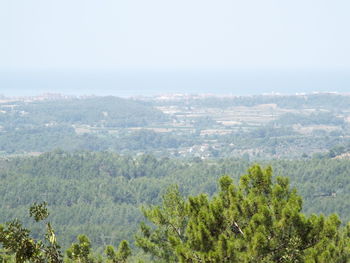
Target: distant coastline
{"type": "Point", "coordinates": [152, 82]}
{"type": "Point", "coordinates": [156, 97]}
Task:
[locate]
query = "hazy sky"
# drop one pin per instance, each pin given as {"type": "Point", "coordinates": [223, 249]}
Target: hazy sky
{"type": "Point", "coordinates": [176, 34]}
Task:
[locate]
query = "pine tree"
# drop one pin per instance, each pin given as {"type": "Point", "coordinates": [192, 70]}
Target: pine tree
{"type": "Point", "coordinates": [260, 220]}
{"type": "Point", "coordinates": [171, 221]}
{"type": "Point", "coordinates": [121, 255]}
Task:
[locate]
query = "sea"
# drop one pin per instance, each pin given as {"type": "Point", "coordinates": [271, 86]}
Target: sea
{"type": "Point", "coordinates": [133, 83]}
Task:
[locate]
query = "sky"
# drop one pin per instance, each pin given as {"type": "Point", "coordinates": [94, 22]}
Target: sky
{"type": "Point", "coordinates": [227, 35]}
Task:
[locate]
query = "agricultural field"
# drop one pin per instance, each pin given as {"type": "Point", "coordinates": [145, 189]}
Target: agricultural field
{"type": "Point", "coordinates": [204, 126]}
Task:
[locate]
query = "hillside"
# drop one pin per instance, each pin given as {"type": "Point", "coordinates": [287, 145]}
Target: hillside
{"type": "Point", "coordinates": [257, 127]}
{"type": "Point", "coordinates": [100, 194]}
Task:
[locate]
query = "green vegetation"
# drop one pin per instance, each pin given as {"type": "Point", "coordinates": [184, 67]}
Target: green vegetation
{"type": "Point", "coordinates": [63, 152]}
{"type": "Point", "coordinates": [260, 127]}
{"type": "Point", "coordinates": [100, 194]}
{"type": "Point", "coordinates": [327, 101]}
{"type": "Point", "coordinates": [20, 247]}
{"type": "Point", "coordinates": [259, 220]}
{"type": "Point", "coordinates": [95, 111]}
{"type": "Point", "coordinates": [84, 124]}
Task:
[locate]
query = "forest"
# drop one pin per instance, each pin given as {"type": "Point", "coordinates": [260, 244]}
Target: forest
{"type": "Point", "coordinates": [102, 194]}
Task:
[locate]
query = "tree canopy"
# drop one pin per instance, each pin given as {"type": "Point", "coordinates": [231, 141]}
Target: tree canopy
{"type": "Point", "coordinates": [258, 220]}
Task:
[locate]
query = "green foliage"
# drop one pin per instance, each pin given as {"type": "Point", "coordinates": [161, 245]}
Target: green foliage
{"type": "Point", "coordinates": [121, 255]}
{"type": "Point", "coordinates": [97, 111]}
{"type": "Point", "coordinates": [42, 126]}
{"type": "Point", "coordinates": [15, 239]}
{"type": "Point", "coordinates": [99, 194]}
{"type": "Point", "coordinates": [81, 251]}
{"type": "Point", "coordinates": [259, 220]}
{"type": "Point", "coordinates": [39, 211]}
{"type": "Point", "coordinates": [320, 118]}
{"type": "Point", "coordinates": [171, 221]}
{"type": "Point", "coordinates": [18, 245]}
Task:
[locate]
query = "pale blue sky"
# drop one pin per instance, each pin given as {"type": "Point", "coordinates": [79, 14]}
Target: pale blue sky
{"type": "Point", "coordinates": [176, 34]}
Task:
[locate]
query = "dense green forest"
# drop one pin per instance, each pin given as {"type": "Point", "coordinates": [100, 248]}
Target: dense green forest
{"type": "Point", "coordinates": [258, 219]}
{"type": "Point", "coordinates": [100, 194]}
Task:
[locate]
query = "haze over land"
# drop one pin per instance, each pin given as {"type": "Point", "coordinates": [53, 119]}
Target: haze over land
{"type": "Point", "coordinates": [156, 47]}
